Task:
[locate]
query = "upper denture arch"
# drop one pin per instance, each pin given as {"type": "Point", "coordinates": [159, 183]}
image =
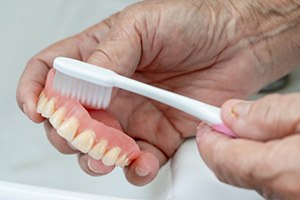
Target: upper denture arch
{"type": "Point", "coordinates": [74, 123]}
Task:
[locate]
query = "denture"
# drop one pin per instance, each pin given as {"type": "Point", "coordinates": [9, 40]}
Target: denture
{"type": "Point", "coordinates": [73, 122]}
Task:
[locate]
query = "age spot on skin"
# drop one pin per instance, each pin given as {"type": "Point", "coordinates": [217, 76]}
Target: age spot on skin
{"type": "Point", "coordinates": [74, 123]}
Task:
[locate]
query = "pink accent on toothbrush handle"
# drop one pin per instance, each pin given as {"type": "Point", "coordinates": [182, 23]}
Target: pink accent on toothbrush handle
{"type": "Point", "coordinates": [223, 129]}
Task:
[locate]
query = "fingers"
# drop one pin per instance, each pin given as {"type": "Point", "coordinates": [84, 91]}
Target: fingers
{"type": "Point", "coordinates": [271, 117]}
{"type": "Point", "coordinates": [234, 161]}
{"type": "Point", "coordinates": [143, 170]}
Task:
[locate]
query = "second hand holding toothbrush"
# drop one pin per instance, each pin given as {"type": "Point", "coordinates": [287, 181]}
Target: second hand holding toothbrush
{"type": "Point", "coordinates": [92, 85]}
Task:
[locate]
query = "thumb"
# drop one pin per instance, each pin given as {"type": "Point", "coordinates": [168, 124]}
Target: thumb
{"type": "Point", "coordinates": [273, 116]}
{"type": "Point", "coordinates": [120, 49]}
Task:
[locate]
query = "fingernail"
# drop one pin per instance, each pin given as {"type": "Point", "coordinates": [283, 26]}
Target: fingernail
{"type": "Point", "coordinates": [240, 109]}
{"type": "Point", "coordinates": [141, 172]}
{"type": "Point", "coordinates": [92, 165]}
{"type": "Point", "coordinates": [202, 129]}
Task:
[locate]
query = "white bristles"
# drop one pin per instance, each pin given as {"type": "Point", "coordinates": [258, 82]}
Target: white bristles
{"type": "Point", "coordinates": [89, 94]}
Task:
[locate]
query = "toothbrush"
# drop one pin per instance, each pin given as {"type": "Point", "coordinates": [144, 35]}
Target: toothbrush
{"type": "Point", "coordinates": [92, 85]}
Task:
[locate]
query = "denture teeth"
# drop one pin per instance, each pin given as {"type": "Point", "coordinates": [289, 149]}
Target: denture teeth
{"type": "Point", "coordinates": [99, 149]}
{"type": "Point", "coordinates": [121, 161]}
{"type": "Point", "coordinates": [57, 118]}
{"type": "Point", "coordinates": [41, 103]}
{"type": "Point", "coordinates": [126, 162]}
{"type": "Point", "coordinates": [68, 129]}
{"type": "Point", "coordinates": [111, 156]}
{"type": "Point", "coordinates": [49, 109]}
{"type": "Point", "coordinates": [84, 141]}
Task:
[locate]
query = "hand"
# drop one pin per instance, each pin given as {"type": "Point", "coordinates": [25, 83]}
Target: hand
{"type": "Point", "coordinates": [270, 164]}
{"type": "Point", "coordinates": [204, 50]}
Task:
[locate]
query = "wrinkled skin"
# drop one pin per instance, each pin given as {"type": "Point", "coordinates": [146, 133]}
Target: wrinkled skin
{"type": "Point", "coordinates": [269, 163]}
{"type": "Point", "coordinates": [200, 49]}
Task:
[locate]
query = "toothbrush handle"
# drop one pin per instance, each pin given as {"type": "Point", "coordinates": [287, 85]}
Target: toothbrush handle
{"type": "Point", "coordinates": [205, 112]}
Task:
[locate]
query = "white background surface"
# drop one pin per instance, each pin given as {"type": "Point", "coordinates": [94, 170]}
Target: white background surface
{"type": "Point", "coordinates": [27, 157]}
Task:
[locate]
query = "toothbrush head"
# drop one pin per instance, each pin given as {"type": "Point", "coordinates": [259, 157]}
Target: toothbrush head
{"type": "Point", "coordinates": [88, 84]}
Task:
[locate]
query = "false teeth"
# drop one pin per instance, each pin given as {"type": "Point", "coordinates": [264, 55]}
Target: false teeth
{"type": "Point", "coordinates": [111, 156]}
{"type": "Point", "coordinates": [84, 141]}
{"type": "Point", "coordinates": [41, 103]}
{"type": "Point", "coordinates": [87, 140]}
{"type": "Point", "coordinates": [68, 129]}
{"type": "Point", "coordinates": [99, 149]}
{"type": "Point", "coordinates": [57, 118]}
{"type": "Point", "coordinates": [48, 109]}
{"type": "Point", "coordinates": [122, 161]}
